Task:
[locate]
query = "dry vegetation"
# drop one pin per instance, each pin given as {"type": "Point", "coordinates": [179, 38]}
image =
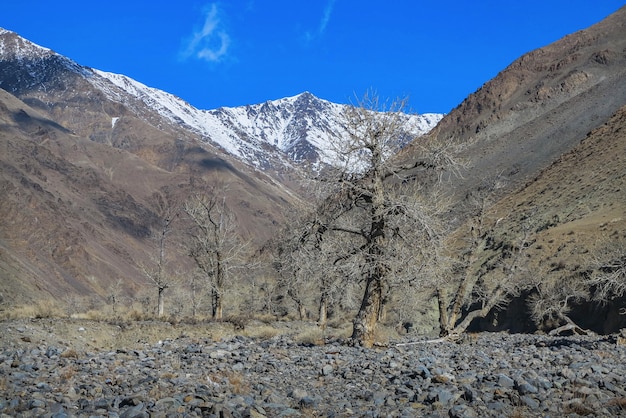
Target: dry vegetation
{"type": "Point", "coordinates": [95, 220]}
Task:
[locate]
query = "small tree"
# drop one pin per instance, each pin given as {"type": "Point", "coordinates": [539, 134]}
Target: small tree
{"type": "Point", "coordinates": [157, 271]}
{"type": "Point", "coordinates": [608, 280]}
{"type": "Point", "coordinates": [460, 272]}
{"type": "Point", "coordinates": [551, 300]}
{"type": "Point", "coordinates": [492, 271]}
{"type": "Point", "coordinates": [299, 254]}
{"type": "Point", "coordinates": [216, 246]}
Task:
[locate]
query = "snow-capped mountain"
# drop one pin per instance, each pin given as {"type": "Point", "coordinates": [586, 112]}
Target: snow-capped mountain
{"type": "Point", "coordinates": [301, 127]}
{"type": "Point", "coordinates": [278, 132]}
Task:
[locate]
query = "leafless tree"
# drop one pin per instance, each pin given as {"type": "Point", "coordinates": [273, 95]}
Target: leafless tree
{"type": "Point", "coordinates": [552, 297]}
{"type": "Point", "coordinates": [376, 219]}
{"type": "Point", "coordinates": [459, 271]}
{"type": "Point", "coordinates": [492, 269]}
{"type": "Point", "coordinates": [608, 280]}
{"type": "Point", "coordinates": [297, 258]}
{"type": "Point", "coordinates": [158, 271]}
{"type": "Point", "coordinates": [216, 246]}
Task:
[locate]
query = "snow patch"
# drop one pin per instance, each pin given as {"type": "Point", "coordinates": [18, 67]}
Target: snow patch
{"type": "Point", "coordinates": [113, 122]}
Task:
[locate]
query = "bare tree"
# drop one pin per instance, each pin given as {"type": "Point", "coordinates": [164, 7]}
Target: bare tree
{"type": "Point", "coordinates": [554, 296]}
{"type": "Point", "coordinates": [216, 246]}
{"type": "Point", "coordinates": [491, 271]}
{"type": "Point", "coordinates": [157, 271]}
{"type": "Point", "coordinates": [385, 228]}
{"type": "Point", "coordinates": [608, 280]}
{"type": "Point", "coordinates": [551, 299]}
{"type": "Point", "coordinates": [459, 272]}
{"type": "Point", "coordinates": [297, 258]}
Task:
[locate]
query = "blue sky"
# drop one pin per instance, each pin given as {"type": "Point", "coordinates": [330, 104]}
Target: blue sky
{"type": "Point", "coordinates": [237, 52]}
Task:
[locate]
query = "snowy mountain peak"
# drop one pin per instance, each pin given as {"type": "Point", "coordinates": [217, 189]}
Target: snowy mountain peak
{"type": "Point", "coordinates": [272, 135]}
{"type": "Point", "coordinates": [39, 67]}
{"type": "Point", "coordinates": [14, 46]}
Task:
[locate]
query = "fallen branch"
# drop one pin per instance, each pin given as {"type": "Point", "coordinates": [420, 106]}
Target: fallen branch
{"type": "Point", "coordinates": [570, 327]}
{"type": "Point", "coordinates": [448, 338]}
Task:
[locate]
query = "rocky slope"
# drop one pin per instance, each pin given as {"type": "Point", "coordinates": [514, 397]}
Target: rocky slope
{"type": "Point", "coordinates": [44, 374]}
{"type": "Point", "coordinates": [540, 106]}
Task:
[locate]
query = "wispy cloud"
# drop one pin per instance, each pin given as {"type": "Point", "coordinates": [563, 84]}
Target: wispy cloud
{"type": "Point", "coordinates": [328, 10]}
{"type": "Point", "coordinates": [210, 42]}
{"type": "Point", "coordinates": [326, 17]}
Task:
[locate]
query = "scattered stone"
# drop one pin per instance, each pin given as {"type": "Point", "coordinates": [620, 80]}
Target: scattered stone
{"type": "Point", "coordinates": [532, 375]}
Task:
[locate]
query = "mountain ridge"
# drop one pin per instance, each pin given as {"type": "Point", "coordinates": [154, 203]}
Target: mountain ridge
{"type": "Point", "coordinates": [88, 168]}
{"type": "Point", "coordinates": [252, 133]}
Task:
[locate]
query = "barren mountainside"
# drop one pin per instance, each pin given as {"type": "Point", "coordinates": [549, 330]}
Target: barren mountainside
{"type": "Point", "coordinates": [86, 157]}
{"type": "Point", "coordinates": [541, 105]}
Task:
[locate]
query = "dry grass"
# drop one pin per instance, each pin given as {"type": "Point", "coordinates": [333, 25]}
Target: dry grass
{"type": "Point", "coordinates": [264, 332]}
{"type": "Point", "coordinates": [40, 309]}
{"type": "Point", "coordinates": [619, 402]}
{"type": "Point", "coordinates": [69, 353]}
{"type": "Point", "coordinates": [168, 375]}
{"type": "Point", "coordinates": [238, 383]}
{"type": "Point", "coordinates": [67, 373]}
{"type": "Point", "coordinates": [310, 336]}
{"type": "Point", "coordinates": [577, 406]}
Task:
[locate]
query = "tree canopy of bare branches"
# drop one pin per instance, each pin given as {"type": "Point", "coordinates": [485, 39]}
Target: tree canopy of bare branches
{"type": "Point", "coordinates": [216, 246]}
{"type": "Point", "coordinates": [376, 226]}
{"type": "Point", "coordinates": [158, 272]}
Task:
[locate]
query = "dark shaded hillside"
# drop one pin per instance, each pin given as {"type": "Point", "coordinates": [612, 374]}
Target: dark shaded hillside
{"type": "Point", "coordinates": [575, 209]}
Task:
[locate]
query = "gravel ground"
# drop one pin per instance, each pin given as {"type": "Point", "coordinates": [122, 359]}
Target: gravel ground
{"type": "Point", "coordinates": [491, 374]}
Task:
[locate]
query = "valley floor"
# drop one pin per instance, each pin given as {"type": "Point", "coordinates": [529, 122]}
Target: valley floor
{"type": "Point", "coordinates": [64, 368]}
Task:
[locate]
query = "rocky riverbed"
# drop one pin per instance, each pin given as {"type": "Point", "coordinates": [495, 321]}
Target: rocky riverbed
{"type": "Point", "coordinates": [485, 375]}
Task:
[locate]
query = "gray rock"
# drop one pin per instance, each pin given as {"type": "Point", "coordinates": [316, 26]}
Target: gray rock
{"type": "Point", "coordinates": [327, 370]}
{"type": "Point", "coordinates": [525, 388]}
{"type": "Point", "coordinates": [36, 403]}
{"type": "Point", "coordinates": [505, 381]}
{"type": "Point", "coordinates": [462, 411]}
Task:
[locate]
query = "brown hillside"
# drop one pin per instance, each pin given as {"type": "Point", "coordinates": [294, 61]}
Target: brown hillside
{"type": "Point", "coordinates": [540, 106]}
{"type": "Point", "coordinates": [574, 210]}
{"type": "Point", "coordinates": [78, 215]}
{"type": "Point", "coordinates": [579, 201]}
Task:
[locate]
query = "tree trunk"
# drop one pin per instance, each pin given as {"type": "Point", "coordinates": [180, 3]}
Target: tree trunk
{"type": "Point", "coordinates": [301, 311]}
{"type": "Point", "coordinates": [323, 311]}
{"type": "Point", "coordinates": [442, 303]}
{"type": "Point", "coordinates": [299, 305]}
{"type": "Point", "coordinates": [364, 324]}
{"type": "Point", "coordinates": [480, 313]}
{"type": "Point", "coordinates": [219, 288]}
{"type": "Point", "coordinates": [216, 304]}
{"type": "Point", "coordinates": [218, 307]}
{"type": "Point", "coordinates": [468, 282]}
{"type": "Point", "coordinates": [161, 302]}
